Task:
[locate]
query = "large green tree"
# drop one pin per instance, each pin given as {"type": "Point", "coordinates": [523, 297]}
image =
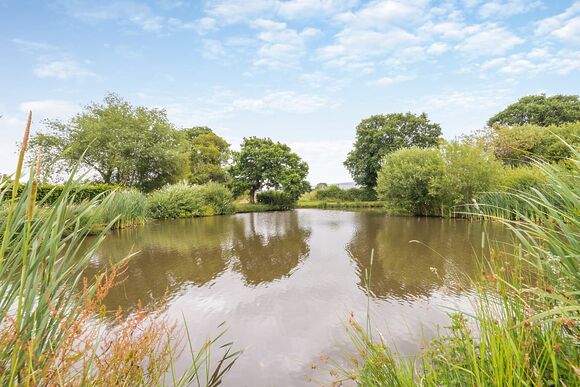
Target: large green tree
{"type": "Point", "coordinates": [120, 143]}
{"type": "Point", "coordinates": [380, 135]}
{"type": "Point", "coordinates": [262, 163]}
{"type": "Point", "coordinates": [539, 110]}
{"type": "Point", "coordinates": [208, 154]}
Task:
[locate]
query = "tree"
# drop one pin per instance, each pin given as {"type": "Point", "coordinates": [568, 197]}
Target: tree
{"type": "Point", "coordinates": [539, 110]}
{"type": "Point", "coordinates": [262, 163]}
{"type": "Point", "coordinates": [380, 135]}
{"type": "Point", "coordinates": [122, 144]}
{"type": "Point", "coordinates": [208, 154]}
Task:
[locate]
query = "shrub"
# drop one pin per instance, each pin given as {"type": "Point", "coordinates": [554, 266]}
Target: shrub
{"type": "Point", "coordinates": [468, 171]}
{"type": "Point", "coordinates": [179, 200]}
{"type": "Point", "coordinates": [333, 192]}
{"type": "Point", "coordinates": [405, 178]}
{"type": "Point", "coordinates": [521, 178]}
{"type": "Point", "coordinates": [519, 144]}
{"type": "Point", "coordinates": [276, 199]}
{"type": "Point", "coordinates": [217, 199]}
{"type": "Point", "coordinates": [182, 200]}
{"type": "Point", "coordinates": [47, 194]}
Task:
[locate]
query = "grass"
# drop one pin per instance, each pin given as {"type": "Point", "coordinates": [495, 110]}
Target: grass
{"type": "Point", "coordinates": [52, 333]}
{"type": "Point", "coordinates": [525, 330]}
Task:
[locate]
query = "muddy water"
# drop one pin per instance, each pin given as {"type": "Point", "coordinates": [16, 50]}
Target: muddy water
{"type": "Point", "coordinates": [284, 281]}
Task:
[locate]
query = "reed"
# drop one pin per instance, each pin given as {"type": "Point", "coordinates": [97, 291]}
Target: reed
{"type": "Point", "coordinates": [525, 330]}
{"type": "Point", "coordinates": [53, 330]}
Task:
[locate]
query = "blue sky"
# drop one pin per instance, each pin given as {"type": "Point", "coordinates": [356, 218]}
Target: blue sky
{"type": "Point", "coordinates": [304, 72]}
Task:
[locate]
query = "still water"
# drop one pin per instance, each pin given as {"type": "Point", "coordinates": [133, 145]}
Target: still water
{"type": "Point", "coordinates": [285, 281]}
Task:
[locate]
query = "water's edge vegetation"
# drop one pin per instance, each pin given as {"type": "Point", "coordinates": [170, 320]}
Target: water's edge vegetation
{"type": "Point", "coordinates": [524, 331]}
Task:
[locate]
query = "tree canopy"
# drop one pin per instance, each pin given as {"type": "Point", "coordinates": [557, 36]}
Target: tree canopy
{"type": "Point", "coordinates": [539, 110]}
{"type": "Point", "coordinates": [122, 144]}
{"type": "Point", "coordinates": [262, 163]}
{"type": "Point", "coordinates": [380, 135]}
{"type": "Point", "coordinates": [208, 154]}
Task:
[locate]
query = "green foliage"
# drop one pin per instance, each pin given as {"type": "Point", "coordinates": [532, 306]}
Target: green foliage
{"type": "Point", "coordinates": [217, 199]}
{"type": "Point", "coordinates": [380, 135]}
{"type": "Point", "coordinates": [468, 171]}
{"type": "Point", "coordinates": [183, 200]}
{"type": "Point", "coordinates": [434, 181]}
{"type": "Point", "coordinates": [539, 110]}
{"type": "Point", "coordinates": [208, 154]}
{"type": "Point", "coordinates": [264, 164]}
{"type": "Point", "coordinates": [276, 199]}
{"type": "Point", "coordinates": [123, 207]}
{"type": "Point", "coordinates": [334, 192]}
{"type": "Point", "coordinates": [520, 144]}
{"type": "Point", "coordinates": [521, 178]}
{"type": "Point", "coordinates": [123, 144]}
{"type": "Point", "coordinates": [525, 325]}
{"type": "Point", "coordinates": [48, 193]}
{"type": "Point", "coordinates": [405, 180]}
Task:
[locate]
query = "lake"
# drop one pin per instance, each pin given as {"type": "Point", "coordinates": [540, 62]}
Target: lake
{"type": "Point", "coordinates": [285, 282]}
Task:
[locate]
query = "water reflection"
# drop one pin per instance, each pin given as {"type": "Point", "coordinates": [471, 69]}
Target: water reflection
{"type": "Point", "coordinates": [414, 256]}
{"type": "Point", "coordinates": [283, 280]}
{"type": "Point", "coordinates": [172, 254]}
{"type": "Point", "coordinates": [269, 246]}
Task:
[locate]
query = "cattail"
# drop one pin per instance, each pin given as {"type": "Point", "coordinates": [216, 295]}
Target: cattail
{"type": "Point", "coordinates": [21, 155]}
{"type": "Point", "coordinates": [32, 199]}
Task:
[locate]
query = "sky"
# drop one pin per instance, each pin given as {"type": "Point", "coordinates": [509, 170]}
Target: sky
{"type": "Point", "coordinates": [303, 72]}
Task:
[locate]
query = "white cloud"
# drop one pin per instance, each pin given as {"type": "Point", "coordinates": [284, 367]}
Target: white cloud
{"type": "Point", "coordinates": [387, 81]}
{"type": "Point", "coordinates": [489, 39]}
{"type": "Point", "coordinates": [49, 108]}
{"type": "Point", "coordinates": [33, 47]}
{"type": "Point", "coordinates": [284, 101]}
{"type": "Point", "coordinates": [537, 61]}
{"type": "Point", "coordinates": [62, 69]}
{"type": "Point", "coordinates": [233, 11]}
{"type": "Point", "coordinates": [564, 26]}
{"type": "Point", "coordinates": [385, 13]}
{"type": "Point", "coordinates": [437, 48]}
{"type": "Point", "coordinates": [505, 8]}
{"type": "Point", "coordinates": [281, 46]}
{"type": "Point", "coordinates": [293, 9]}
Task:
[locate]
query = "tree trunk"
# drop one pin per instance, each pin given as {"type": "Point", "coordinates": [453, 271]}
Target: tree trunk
{"type": "Point", "coordinates": [252, 196]}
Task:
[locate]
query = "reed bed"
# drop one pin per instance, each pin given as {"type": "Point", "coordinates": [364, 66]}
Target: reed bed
{"type": "Point", "coordinates": [525, 330]}
{"type": "Point", "coordinates": [53, 328]}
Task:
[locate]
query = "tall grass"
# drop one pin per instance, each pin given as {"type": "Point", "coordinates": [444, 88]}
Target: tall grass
{"type": "Point", "coordinates": [52, 333]}
{"type": "Point", "coordinates": [525, 330]}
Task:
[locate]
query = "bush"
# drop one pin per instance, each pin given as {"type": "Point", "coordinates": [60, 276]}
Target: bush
{"type": "Point", "coordinates": [217, 199]}
{"type": "Point", "coordinates": [468, 171]}
{"type": "Point", "coordinates": [333, 192]}
{"type": "Point", "coordinates": [405, 179]}
{"type": "Point", "coordinates": [182, 200]}
{"type": "Point", "coordinates": [276, 199]}
{"type": "Point", "coordinates": [433, 181]}
{"type": "Point", "coordinates": [521, 178]}
{"type": "Point", "coordinates": [47, 194]}
{"type": "Point", "coordinates": [519, 144]}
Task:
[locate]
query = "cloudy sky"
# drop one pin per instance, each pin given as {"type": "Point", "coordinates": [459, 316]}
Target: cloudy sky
{"type": "Point", "coordinates": [304, 72]}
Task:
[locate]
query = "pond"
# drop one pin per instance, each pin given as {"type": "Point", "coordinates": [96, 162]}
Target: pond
{"type": "Point", "coordinates": [285, 281]}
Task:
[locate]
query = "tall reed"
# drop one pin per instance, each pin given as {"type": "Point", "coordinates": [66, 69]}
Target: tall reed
{"type": "Point", "coordinates": [52, 329]}
{"type": "Point", "coordinates": [525, 330]}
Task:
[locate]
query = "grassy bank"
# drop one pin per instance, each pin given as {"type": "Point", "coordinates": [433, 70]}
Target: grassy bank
{"type": "Point", "coordinates": [241, 208]}
{"type": "Point", "coordinates": [525, 330]}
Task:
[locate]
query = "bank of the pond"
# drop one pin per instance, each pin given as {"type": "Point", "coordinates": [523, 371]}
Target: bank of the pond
{"type": "Point", "coordinates": [339, 204]}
